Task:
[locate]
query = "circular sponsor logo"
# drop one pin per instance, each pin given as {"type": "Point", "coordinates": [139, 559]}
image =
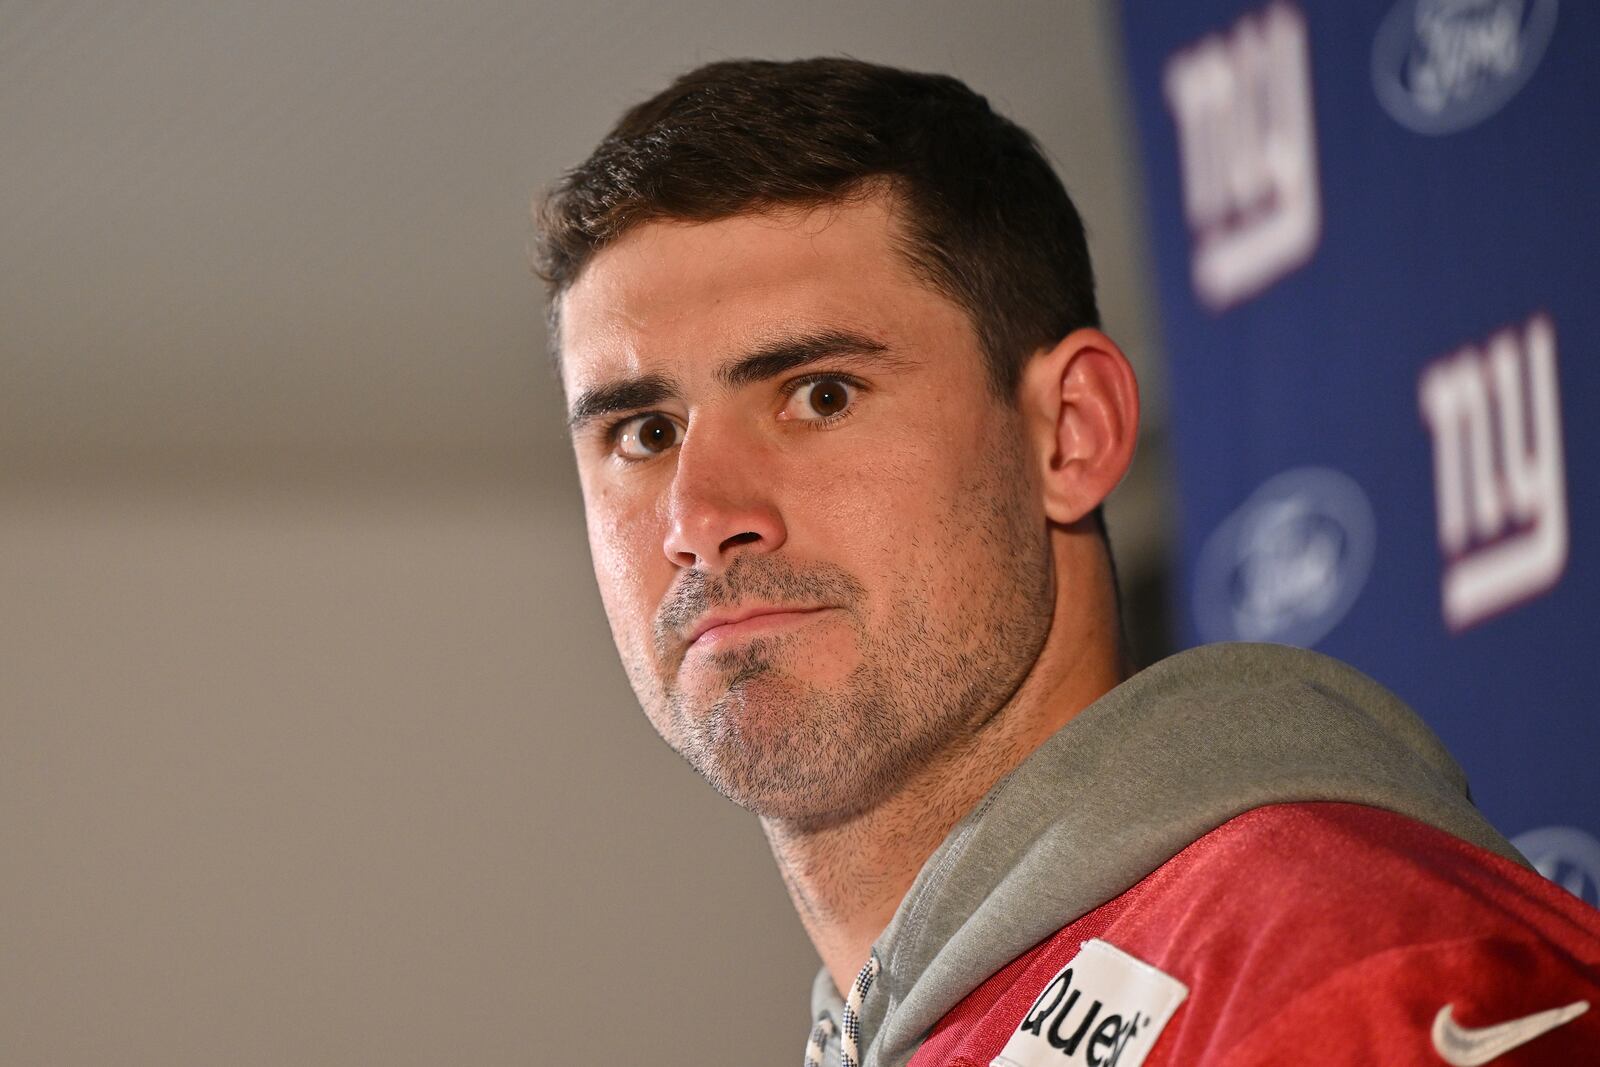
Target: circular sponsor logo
{"type": "Point", "coordinates": [1567, 856]}
{"type": "Point", "coordinates": [1287, 565]}
{"type": "Point", "coordinates": [1439, 66]}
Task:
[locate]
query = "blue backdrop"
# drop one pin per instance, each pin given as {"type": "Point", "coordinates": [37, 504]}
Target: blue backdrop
{"type": "Point", "coordinates": [1377, 231]}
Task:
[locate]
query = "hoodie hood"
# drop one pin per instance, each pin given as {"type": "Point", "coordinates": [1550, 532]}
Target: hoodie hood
{"type": "Point", "coordinates": [1128, 783]}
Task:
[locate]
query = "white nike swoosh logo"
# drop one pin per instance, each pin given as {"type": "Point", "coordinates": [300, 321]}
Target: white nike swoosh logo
{"type": "Point", "coordinates": [1461, 1047]}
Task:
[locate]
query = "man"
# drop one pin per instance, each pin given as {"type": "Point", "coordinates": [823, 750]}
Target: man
{"type": "Point", "coordinates": [844, 421]}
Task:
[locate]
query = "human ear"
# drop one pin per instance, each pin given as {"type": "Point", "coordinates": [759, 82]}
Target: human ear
{"type": "Point", "coordinates": [1080, 403]}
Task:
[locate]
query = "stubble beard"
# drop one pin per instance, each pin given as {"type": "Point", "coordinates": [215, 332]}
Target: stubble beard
{"type": "Point", "coordinates": [769, 740]}
{"type": "Point", "coordinates": [804, 755]}
{"type": "Point", "coordinates": [810, 757]}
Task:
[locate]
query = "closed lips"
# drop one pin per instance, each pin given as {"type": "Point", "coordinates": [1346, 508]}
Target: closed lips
{"type": "Point", "coordinates": [718, 621]}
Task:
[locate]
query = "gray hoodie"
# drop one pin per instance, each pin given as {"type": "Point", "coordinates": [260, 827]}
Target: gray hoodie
{"type": "Point", "coordinates": [1161, 760]}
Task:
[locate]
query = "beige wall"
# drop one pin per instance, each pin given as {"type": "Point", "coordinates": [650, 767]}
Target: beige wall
{"type": "Point", "coordinates": [313, 748]}
{"type": "Point", "coordinates": [312, 777]}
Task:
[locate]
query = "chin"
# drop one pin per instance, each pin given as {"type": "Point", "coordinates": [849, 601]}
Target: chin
{"type": "Point", "coordinates": [758, 743]}
{"type": "Point", "coordinates": [787, 752]}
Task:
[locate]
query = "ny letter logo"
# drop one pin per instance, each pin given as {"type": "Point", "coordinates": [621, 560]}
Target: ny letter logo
{"type": "Point", "coordinates": [1247, 140]}
{"type": "Point", "coordinates": [1499, 477]}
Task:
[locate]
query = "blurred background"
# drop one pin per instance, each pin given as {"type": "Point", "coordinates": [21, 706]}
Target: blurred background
{"type": "Point", "coordinates": [313, 744]}
{"type": "Point", "coordinates": [314, 748]}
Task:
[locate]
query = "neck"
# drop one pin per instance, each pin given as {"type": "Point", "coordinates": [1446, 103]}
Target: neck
{"type": "Point", "coordinates": [847, 880]}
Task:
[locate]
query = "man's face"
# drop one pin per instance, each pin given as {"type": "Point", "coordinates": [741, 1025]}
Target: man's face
{"type": "Point", "coordinates": [817, 534]}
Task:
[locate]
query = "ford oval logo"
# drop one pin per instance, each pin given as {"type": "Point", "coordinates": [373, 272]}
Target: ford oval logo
{"type": "Point", "coordinates": [1288, 564]}
{"type": "Point", "coordinates": [1565, 855]}
{"type": "Point", "coordinates": [1442, 65]}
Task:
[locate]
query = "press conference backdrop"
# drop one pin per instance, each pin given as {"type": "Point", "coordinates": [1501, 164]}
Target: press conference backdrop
{"type": "Point", "coordinates": [1377, 233]}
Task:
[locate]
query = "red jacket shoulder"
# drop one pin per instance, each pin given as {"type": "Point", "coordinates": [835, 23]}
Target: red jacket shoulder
{"type": "Point", "coordinates": [1317, 918]}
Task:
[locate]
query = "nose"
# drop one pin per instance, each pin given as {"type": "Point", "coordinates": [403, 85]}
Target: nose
{"type": "Point", "coordinates": [722, 503]}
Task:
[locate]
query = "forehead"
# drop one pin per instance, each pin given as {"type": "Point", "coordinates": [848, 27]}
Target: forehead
{"type": "Point", "coordinates": [692, 293]}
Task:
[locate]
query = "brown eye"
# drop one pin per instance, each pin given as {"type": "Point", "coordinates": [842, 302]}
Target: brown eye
{"type": "Point", "coordinates": [646, 436]}
{"type": "Point", "coordinates": [823, 398]}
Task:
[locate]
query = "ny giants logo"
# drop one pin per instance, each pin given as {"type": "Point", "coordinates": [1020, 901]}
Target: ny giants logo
{"type": "Point", "coordinates": [1494, 413]}
{"type": "Point", "coordinates": [1241, 101]}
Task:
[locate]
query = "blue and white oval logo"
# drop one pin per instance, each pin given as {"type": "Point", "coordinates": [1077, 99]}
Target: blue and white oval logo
{"type": "Point", "coordinates": [1288, 564]}
{"type": "Point", "coordinates": [1442, 65]}
{"type": "Point", "coordinates": [1567, 856]}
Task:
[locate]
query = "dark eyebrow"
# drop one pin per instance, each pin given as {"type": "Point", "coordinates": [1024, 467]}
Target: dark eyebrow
{"type": "Point", "coordinates": [788, 353]}
{"type": "Point", "coordinates": [627, 395]}
{"type": "Point", "coordinates": [767, 360]}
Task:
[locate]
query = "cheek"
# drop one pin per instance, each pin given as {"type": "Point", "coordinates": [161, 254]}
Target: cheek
{"type": "Point", "coordinates": [630, 569]}
{"type": "Point", "coordinates": [883, 520]}
{"type": "Point", "coordinates": [933, 517]}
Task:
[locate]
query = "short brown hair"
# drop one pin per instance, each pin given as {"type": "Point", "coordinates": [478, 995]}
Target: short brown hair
{"type": "Point", "coordinates": [989, 224]}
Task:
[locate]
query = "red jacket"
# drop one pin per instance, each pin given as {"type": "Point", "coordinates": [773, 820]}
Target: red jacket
{"type": "Point", "coordinates": [1304, 933]}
